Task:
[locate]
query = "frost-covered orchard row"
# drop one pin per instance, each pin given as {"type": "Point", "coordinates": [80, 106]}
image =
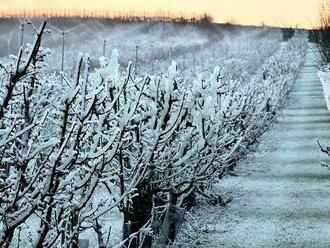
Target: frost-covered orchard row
{"type": "Point", "coordinates": [76, 148]}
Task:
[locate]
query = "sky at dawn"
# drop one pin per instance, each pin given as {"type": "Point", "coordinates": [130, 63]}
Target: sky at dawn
{"type": "Point", "coordinates": [302, 13]}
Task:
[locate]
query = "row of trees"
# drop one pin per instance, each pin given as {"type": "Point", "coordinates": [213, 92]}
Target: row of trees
{"type": "Point", "coordinates": [109, 15]}
{"type": "Point", "coordinates": [321, 35]}
{"type": "Point", "coordinates": [151, 144]}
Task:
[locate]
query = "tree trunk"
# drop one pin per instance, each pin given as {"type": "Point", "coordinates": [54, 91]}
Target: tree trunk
{"type": "Point", "coordinates": [74, 230]}
{"type": "Point", "coordinates": [6, 238]}
{"type": "Point", "coordinates": [136, 218]}
{"type": "Point", "coordinates": [172, 220]}
{"type": "Point", "coordinates": [44, 226]}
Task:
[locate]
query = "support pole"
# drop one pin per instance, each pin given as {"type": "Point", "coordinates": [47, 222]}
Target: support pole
{"type": "Point", "coordinates": [136, 58]}
{"type": "Point", "coordinates": [202, 55]}
{"type": "Point", "coordinates": [104, 47]}
{"type": "Point", "coordinates": [63, 39]}
{"type": "Point", "coordinates": [152, 58]}
{"type": "Point", "coordinates": [21, 36]}
{"type": "Point", "coordinates": [194, 61]}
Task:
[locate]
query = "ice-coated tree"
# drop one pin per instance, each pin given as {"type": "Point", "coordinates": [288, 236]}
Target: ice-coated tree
{"type": "Point", "coordinates": [149, 145]}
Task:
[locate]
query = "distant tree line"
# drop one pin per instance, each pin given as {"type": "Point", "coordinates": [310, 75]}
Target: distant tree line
{"type": "Point", "coordinates": [321, 35]}
{"type": "Point", "coordinates": [287, 33]}
{"type": "Point", "coordinates": [117, 16]}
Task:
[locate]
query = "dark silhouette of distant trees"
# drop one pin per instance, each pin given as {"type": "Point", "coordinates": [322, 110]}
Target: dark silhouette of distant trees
{"type": "Point", "coordinates": [115, 16]}
{"type": "Point", "coordinates": [321, 35]}
{"type": "Point", "coordinates": [287, 33]}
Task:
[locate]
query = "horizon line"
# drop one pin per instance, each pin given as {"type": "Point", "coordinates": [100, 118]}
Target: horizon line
{"type": "Point", "coordinates": [124, 15]}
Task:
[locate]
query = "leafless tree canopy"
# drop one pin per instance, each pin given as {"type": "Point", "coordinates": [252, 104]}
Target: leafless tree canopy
{"type": "Point", "coordinates": [73, 148]}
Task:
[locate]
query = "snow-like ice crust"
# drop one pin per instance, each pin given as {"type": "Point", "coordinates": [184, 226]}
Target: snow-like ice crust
{"type": "Point", "coordinates": [325, 80]}
{"type": "Point", "coordinates": [281, 193]}
{"type": "Point", "coordinates": [112, 108]}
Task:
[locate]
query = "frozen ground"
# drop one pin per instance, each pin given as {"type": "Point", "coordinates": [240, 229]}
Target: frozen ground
{"type": "Point", "coordinates": [281, 196]}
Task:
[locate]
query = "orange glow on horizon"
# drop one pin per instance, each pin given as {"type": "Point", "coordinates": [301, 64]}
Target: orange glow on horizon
{"type": "Point", "coordinates": [293, 13]}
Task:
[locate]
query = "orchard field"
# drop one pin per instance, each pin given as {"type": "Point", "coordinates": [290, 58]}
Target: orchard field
{"type": "Point", "coordinates": [113, 134]}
